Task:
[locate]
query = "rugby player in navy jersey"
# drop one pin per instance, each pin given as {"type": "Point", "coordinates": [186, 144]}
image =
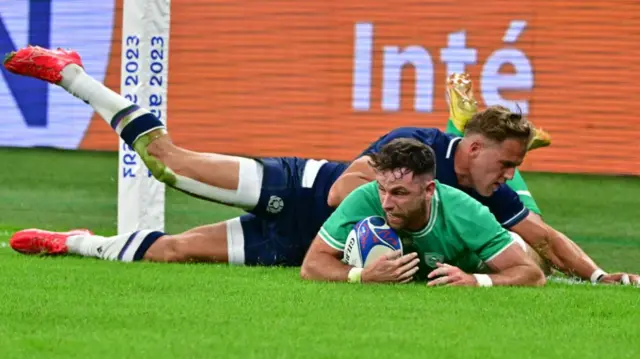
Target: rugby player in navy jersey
{"type": "Point", "coordinates": [286, 198]}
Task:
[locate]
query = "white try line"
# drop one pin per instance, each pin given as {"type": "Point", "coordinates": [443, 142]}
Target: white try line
{"type": "Point", "coordinates": [576, 281]}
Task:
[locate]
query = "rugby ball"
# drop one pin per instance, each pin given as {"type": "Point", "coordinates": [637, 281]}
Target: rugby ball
{"type": "Point", "coordinates": [369, 240]}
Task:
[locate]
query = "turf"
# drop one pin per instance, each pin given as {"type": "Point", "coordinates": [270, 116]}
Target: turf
{"type": "Point", "coordinates": [85, 308]}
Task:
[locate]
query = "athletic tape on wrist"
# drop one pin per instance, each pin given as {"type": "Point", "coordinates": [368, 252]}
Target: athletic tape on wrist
{"type": "Point", "coordinates": [483, 280]}
{"type": "Point", "coordinates": [625, 279]}
{"type": "Point", "coordinates": [355, 275]}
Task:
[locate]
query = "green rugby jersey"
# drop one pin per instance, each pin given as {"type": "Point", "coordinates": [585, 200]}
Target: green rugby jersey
{"type": "Point", "coordinates": [461, 231]}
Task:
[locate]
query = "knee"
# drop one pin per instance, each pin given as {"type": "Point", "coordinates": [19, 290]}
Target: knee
{"type": "Point", "coordinates": [161, 147]}
{"type": "Point", "coordinates": [162, 159]}
{"type": "Point", "coordinates": [168, 249]}
{"type": "Point", "coordinates": [174, 252]}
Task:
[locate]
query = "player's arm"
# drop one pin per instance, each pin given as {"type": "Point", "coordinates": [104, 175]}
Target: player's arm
{"type": "Point", "coordinates": [512, 266]}
{"type": "Point", "coordinates": [509, 267]}
{"type": "Point", "coordinates": [553, 246]}
{"type": "Point", "coordinates": [482, 234]}
{"type": "Point", "coordinates": [563, 253]}
{"type": "Point", "coordinates": [323, 263]}
{"type": "Point", "coordinates": [358, 173]}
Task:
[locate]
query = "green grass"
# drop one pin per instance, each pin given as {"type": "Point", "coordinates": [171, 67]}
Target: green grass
{"type": "Point", "coordinates": [85, 308]}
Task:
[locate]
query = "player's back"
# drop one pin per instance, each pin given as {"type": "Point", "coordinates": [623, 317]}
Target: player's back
{"type": "Point", "coordinates": [441, 143]}
{"type": "Point", "coordinates": [432, 137]}
{"type": "Point", "coordinates": [504, 203]}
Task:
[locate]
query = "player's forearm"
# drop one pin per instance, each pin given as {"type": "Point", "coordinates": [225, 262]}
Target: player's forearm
{"type": "Point", "coordinates": [567, 257]}
{"type": "Point", "coordinates": [324, 267]}
{"type": "Point", "coordinates": [520, 275]}
{"type": "Point", "coordinates": [345, 185]}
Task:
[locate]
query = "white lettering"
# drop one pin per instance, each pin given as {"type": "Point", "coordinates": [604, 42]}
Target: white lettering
{"type": "Point", "coordinates": [362, 67]}
{"type": "Point", "coordinates": [394, 62]}
{"type": "Point", "coordinates": [456, 56]}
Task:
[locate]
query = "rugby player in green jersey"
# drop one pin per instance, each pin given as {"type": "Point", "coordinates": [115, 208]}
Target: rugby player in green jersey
{"type": "Point", "coordinates": [448, 237]}
{"type": "Point", "coordinates": [483, 163]}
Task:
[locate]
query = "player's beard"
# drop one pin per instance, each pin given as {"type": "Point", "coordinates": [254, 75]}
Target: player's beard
{"type": "Point", "coordinates": [413, 220]}
{"type": "Point", "coordinates": [396, 221]}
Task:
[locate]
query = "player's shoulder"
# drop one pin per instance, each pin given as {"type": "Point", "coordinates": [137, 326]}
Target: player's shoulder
{"type": "Point", "coordinates": [365, 191]}
{"type": "Point", "coordinates": [370, 187]}
{"type": "Point", "coordinates": [458, 205]}
{"type": "Point", "coordinates": [462, 215]}
{"type": "Point", "coordinates": [454, 195]}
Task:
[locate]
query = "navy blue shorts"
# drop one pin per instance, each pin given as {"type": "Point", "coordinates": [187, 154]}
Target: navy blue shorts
{"type": "Point", "coordinates": [291, 209]}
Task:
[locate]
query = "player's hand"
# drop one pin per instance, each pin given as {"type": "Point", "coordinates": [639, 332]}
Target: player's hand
{"type": "Point", "coordinates": [450, 275]}
{"type": "Point", "coordinates": [621, 278]}
{"type": "Point", "coordinates": [392, 267]}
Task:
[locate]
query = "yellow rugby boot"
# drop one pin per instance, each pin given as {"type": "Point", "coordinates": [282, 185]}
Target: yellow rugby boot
{"type": "Point", "coordinates": [462, 104]}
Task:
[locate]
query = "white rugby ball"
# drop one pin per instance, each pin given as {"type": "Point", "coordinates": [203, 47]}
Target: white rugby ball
{"type": "Point", "coordinates": [369, 240]}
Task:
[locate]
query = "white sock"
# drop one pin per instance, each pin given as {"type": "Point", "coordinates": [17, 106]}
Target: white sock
{"type": "Point", "coordinates": [119, 113]}
{"type": "Point", "coordinates": [106, 102]}
{"type": "Point", "coordinates": [116, 110]}
{"type": "Point", "coordinates": [125, 247]}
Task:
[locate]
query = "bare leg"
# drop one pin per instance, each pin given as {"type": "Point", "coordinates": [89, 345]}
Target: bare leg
{"type": "Point", "coordinates": [201, 244]}
{"type": "Point", "coordinates": [223, 242]}
{"type": "Point", "coordinates": [217, 170]}
{"type": "Point", "coordinates": [231, 180]}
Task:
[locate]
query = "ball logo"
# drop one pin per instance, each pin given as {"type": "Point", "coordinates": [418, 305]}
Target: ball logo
{"type": "Point", "coordinates": [275, 205]}
{"type": "Point", "coordinates": [34, 112]}
{"type": "Point", "coordinates": [388, 236]}
{"type": "Point", "coordinates": [364, 235]}
{"type": "Point", "coordinates": [374, 231]}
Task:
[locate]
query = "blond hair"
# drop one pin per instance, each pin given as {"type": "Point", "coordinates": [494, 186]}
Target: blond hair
{"type": "Point", "coordinates": [498, 123]}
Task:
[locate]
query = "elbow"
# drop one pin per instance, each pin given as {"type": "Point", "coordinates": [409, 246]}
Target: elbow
{"type": "Point", "coordinates": [538, 278]}
{"type": "Point", "coordinates": [305, 272]}
{"type": "Point", "coordinates": [333, 199]}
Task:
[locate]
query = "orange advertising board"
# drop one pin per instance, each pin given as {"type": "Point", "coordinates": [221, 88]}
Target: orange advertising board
{"type": "Point", "coordinates": [322, 79]}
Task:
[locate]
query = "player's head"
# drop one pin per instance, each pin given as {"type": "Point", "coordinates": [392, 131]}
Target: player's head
{"type": "Point", "coordinates": [496, 141]}
{"type": "Point", "coordinates": [405, 170]}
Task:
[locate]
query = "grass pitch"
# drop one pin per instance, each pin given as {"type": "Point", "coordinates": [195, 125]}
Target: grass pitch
{"type": "Point", "coordinates": [86, 308]}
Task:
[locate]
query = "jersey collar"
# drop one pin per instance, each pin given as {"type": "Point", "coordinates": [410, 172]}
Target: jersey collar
{"type": "Point", "coordinates": [433, 216]}
{"type": "Point", "coordinates": [448, 168]}
{"type": "Point", "coordinates": [453, 146]}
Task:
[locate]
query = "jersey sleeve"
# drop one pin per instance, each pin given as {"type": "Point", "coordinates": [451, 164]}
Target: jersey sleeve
{"type": "Point", "coordinates": [506, 206]}
{"type": "Point", "coordinates": [359, 204]}
{"type": "Point", "coordinates": [478, 228]}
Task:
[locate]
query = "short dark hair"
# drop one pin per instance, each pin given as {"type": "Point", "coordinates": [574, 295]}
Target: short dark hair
{"type": "Point", "coordinates": [405, 153]}
{"type": "Point", "coordinates": [498, 123]}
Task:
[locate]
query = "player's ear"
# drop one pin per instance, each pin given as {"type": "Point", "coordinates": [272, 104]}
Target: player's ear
{"type": "Point", "coordinates": [474, 148]}
{"type": "Point", "coordinates": [431, 188]}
